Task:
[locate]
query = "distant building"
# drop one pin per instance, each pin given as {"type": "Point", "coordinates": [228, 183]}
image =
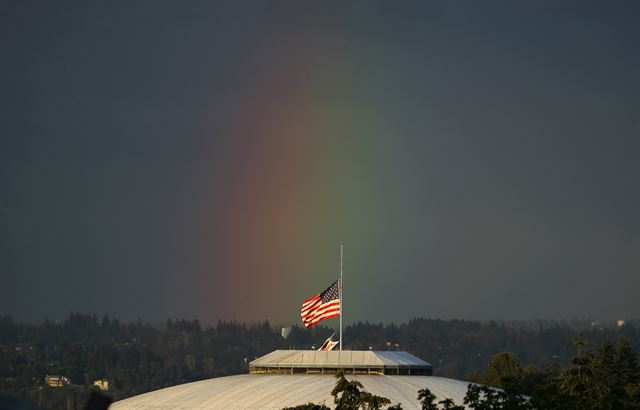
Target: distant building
{"type": "Point", "coordinates": [102, 384]}
{"type": "Point", "coordinates": [620, 323]}
{"type": "Point", "coordinates": [348, 361]}
{"type": "Point", "coordinates": [56, 380]}
{"type": "Point", "coordinates": [285, 332]}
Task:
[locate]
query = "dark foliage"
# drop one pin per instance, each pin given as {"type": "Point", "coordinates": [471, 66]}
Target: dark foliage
{"type": "Point", "coordinates": [134, 357]}
{"type": "Point", "coordinates": [607, 379]}
{"type": "Point", "coordinates": [308, 406]}
{"type": "Point", "coordinates": [427, 399]}
{"type": "Point", "coordinates": [458, 347]}
{"type": "Point", "coordinates": [137, 357]}
{"type": "Point", "coordinates": [350, 395]}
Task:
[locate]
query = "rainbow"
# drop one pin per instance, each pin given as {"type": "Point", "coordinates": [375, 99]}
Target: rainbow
{"type": "Point", "coordinates": [303, 143]}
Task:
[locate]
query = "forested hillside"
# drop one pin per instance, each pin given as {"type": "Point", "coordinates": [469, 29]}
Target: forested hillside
{"type": "Point", "coordinates": [138, 357]}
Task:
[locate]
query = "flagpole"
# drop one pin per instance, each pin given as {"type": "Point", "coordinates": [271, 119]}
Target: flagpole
{"type": "Point", "coordinates": [340, 295]}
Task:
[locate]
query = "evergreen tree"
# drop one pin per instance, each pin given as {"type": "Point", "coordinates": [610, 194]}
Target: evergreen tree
{"type": "Point", "coordinates": [503, 371]}
{"type": "Point", "coordinates": [448, 404]}
{"type": "Point", "coordinates": [350, 395]}
{"type": "Point", "coordinates": [628, 373]}
{"type": "Point", "coordinates": [577, 381]}
{"type": "Point", "coordinates": [548, 395]}
{"type": "Point", "coordinates": [487, 398]}
{"type": "Point", "coordinates": [626, 363]}
{"type": "Point", "coordinates": [427, 399]}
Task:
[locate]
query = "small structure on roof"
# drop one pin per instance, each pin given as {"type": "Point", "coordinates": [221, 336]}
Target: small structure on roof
{"type": "Point", "coordinates": [348, 361]}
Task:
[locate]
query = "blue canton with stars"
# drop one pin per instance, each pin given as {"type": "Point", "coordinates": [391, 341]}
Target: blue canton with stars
{"type": "Point", "coordinates": [330, 293]}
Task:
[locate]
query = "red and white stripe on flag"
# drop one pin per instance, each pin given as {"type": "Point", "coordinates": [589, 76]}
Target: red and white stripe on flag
{"type": "Point", "coordinates": [322, 306]}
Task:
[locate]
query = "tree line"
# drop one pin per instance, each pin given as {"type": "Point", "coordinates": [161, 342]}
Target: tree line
{"type": "Point", "coordinates": [137, 357]}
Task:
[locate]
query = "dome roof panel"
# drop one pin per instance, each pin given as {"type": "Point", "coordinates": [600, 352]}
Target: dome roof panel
{"type": "Point", "coordinates": [252, 391]}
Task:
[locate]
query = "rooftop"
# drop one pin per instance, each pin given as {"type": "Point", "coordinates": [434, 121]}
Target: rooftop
{"type": "Point", "coordinates": [349, 361]}
{"type": "Point", "coordinates": [286, 378]}
{"type": "Point", "coordinates": [275, 391]}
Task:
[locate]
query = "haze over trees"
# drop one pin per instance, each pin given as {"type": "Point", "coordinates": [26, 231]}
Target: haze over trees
{"type": "Point", "coordinates": [138, 357]}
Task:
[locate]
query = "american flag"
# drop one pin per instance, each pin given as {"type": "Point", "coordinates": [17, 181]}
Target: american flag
{"type": "Point", "coordinates": [322, 306]}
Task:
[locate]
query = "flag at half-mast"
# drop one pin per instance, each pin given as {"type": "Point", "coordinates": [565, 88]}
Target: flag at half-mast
{"type": "Point", "coordinates": [322, 306]}
{"type": "Point", "coordinates": [328, 344]}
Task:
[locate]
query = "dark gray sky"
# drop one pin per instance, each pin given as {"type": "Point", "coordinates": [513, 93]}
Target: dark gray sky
{"type": "Point", "coordinates": [204, 159]}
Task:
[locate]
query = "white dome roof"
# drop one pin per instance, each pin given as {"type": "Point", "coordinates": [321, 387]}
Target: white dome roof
{"type": "Point", "coordinates": [275, 391]}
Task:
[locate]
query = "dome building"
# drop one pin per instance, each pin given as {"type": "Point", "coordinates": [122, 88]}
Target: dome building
{"type": "Point", "coordinates": [286, 378]}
